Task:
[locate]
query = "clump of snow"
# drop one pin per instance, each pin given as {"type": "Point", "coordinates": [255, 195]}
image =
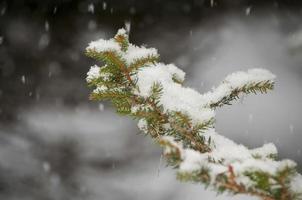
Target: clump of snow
{"type": "Point", "coordinates": [216, 169]}
{"type": "Point", "coordinates": [102, 45]}
{"type": "Point", "coordinates": [134, 52]}
{"type": "Point", "coordinates": [93, 73]}
{"type": "Point", "coordinates": [121, 31]}
{"type": "Point", "coordinates": [143, 125]}
{"type": "Point", "coordinates": [136, 108]}
{"type": "Point", "coordinates": [226, 149]}
{"type": "Point", "coordinates": [238, 80]}
{"type": "Point", "coordinates": [192, 161]}
{"type": "Point", "coordinates": [218, 93]}
{"type": "Point", "coordinates": [104, 75]}
{"type": "Point", "coordinates": [160, 73]}
{"type": "Point", "coordinates": [252, 76]}
{"type": "Point", "coordinates": [227, 153]}
{"type": "Point", "coordinates": [100, 89]}
{"type": "Point", "coordinates": [266, 150]}
{"type": "Point", "coordinates": [175, 71]}
{"type": "Point", "coordinates": [267, 166]}
{"type": "Point", "coordinates": [175, 98]}
{"type": "Point", "coordinates": [147, 76]}
{"type": "Point", "coordinates": [296, 184]}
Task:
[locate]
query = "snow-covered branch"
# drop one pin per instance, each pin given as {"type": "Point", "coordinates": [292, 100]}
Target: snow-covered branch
{"type": "Point", "coordinates": [181, 120]}
{"type": "Point", "coordinates": [252, 81]}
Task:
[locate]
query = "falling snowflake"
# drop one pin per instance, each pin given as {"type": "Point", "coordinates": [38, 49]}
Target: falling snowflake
{"type": "Point", "coordinates": [91, 8]}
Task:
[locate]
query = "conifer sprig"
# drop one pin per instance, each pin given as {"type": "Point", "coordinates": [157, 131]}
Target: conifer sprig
{"type": "Point", "coordinates": [262, 87]}
{"type": "Point", "coordinates": [182, 121]}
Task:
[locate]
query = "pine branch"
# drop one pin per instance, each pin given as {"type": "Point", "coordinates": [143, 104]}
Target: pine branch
{"type": "Point", "coordinates": [261, 86]}
{"type": "Point", "coordinates": [182, 121]}
{"type": "Point", "coordinates": [143, 62]}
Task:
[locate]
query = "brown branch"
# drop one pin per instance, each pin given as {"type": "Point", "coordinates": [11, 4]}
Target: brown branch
{"type": "Point", "coordinates": [232, 185]}
{"type": "Point", "coordinates": [203, 148]}
{"type": "Point", "coordinates": [121, 65]}
{"type": "Point", "coordinates": [188, 134]}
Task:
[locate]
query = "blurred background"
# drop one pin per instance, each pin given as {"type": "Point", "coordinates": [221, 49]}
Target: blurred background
{"type": "Point", "coordinates": [55, 144]}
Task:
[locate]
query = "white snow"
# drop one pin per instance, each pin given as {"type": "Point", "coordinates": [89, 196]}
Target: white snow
{"type": "Point", "coordinates": [238, 80]}
{"type": "Point", "coordinates": [296, 183]}
{"type": "Point", "coordinates": [231, 154]}
{"type": "Point", "coordinates": [265, 151]}
{"type": "Point", "coordinates": [267, 166]}
{"type": "Point", "coordinates": [175, 98]}
{"type": "Point", "coordinates": [150, 75]}
{"type": "Point", "coordinates": [225, 149]}
{"type": "Point", "coordinates": [248, 10]}
{"type": "Point", "coordinates": [192, 160]}
{"type": "Point", "coordinates": [46, 166]}
{"type": "Point", "coordinates": [102, 45]}
{"type": "Point", "coordinates": [46, 25]}
{"type": "Point", "coordinates": [128, 26]}
{"type": "Point", "coordinates": [100, 89]}
{"type": "Point", "coordinates": [44, 41]}
{"type": "Point", "coordinates": [161, 73]}
{"type": "Point", "coordinates": [23, 79]}
{"type": "Point", "coordinates": [218, 93]}
{"type": "Point", "coordinates": [212, 3]}
{"type": "Point", "coordinates": [93, 73]}
{"type": "Point", "coordinates": [142, 125]}
{"type": "Point", "coordinates": [134, 52]}
{"type": "Point", "coordinates": [121, 31]}
{"type": "Point", "coordinates": [91, 8]}
{"type": "Point", "coordinates": [104, 5]}
{"type": "Point", "coordinates": [216, 169]}
{"type": "Point", "coordinates": [178, 73]}
{"type": "Point", "coordinates": [136, 108]}
{"type": "Point", "coordinates": [55, 10]}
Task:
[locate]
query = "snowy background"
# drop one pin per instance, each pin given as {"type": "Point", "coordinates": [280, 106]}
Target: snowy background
{"type": "Point", "coordinates": [57, 145]}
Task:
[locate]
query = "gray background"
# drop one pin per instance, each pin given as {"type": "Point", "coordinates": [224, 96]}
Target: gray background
{"type": "Point", "coordinates": [55, 144]}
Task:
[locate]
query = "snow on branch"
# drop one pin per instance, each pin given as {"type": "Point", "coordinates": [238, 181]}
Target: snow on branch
{"type": "Point", "coordinates": [252, 81]}
{"type": "Point", "coordinates": [182, 120]}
